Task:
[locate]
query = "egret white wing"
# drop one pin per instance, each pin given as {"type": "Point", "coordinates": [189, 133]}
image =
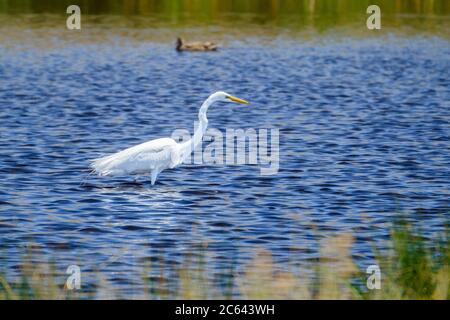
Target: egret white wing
{"type": "Point", "coordinates": [143, 158]}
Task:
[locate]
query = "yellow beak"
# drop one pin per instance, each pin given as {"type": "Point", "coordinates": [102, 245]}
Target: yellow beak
{"type": "Point", "coordinates": [237, 100]}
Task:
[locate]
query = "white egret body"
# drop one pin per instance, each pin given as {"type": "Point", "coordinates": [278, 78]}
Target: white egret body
{"type": "Point", "coordinates": [154, 156]}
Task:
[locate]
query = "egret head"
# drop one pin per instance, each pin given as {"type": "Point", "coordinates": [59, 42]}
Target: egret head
{"type": "Point", "coordinates": [225, 97]}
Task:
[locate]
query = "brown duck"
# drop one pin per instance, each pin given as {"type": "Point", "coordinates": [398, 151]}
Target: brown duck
{"type": "Point", "coordinates": [195, 46]}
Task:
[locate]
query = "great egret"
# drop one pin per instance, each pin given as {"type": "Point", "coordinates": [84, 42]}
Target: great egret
{"type": "Point", "coordinates": [156, 155]}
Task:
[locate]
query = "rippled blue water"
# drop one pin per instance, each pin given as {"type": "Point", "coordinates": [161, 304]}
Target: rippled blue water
{"type": "Point", "coordinates": [364, 135]}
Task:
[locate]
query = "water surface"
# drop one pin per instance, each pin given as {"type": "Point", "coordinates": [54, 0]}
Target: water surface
{"type": "Point", "coordinates": [364, 126]}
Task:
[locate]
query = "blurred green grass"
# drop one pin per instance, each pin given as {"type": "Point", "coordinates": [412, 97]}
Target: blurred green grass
{"type": "Point", "coordinates": [234, 18]}
{"type": "Point", "coordinates": [214, 7]}
{"type": "Point", "coordinates": [409, 270]}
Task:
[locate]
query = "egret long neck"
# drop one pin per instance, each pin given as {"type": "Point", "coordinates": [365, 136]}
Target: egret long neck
{"type": "Point", "coordinates": [189, 146]}
{"type": "Point", "coordinates": [202, 125]}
